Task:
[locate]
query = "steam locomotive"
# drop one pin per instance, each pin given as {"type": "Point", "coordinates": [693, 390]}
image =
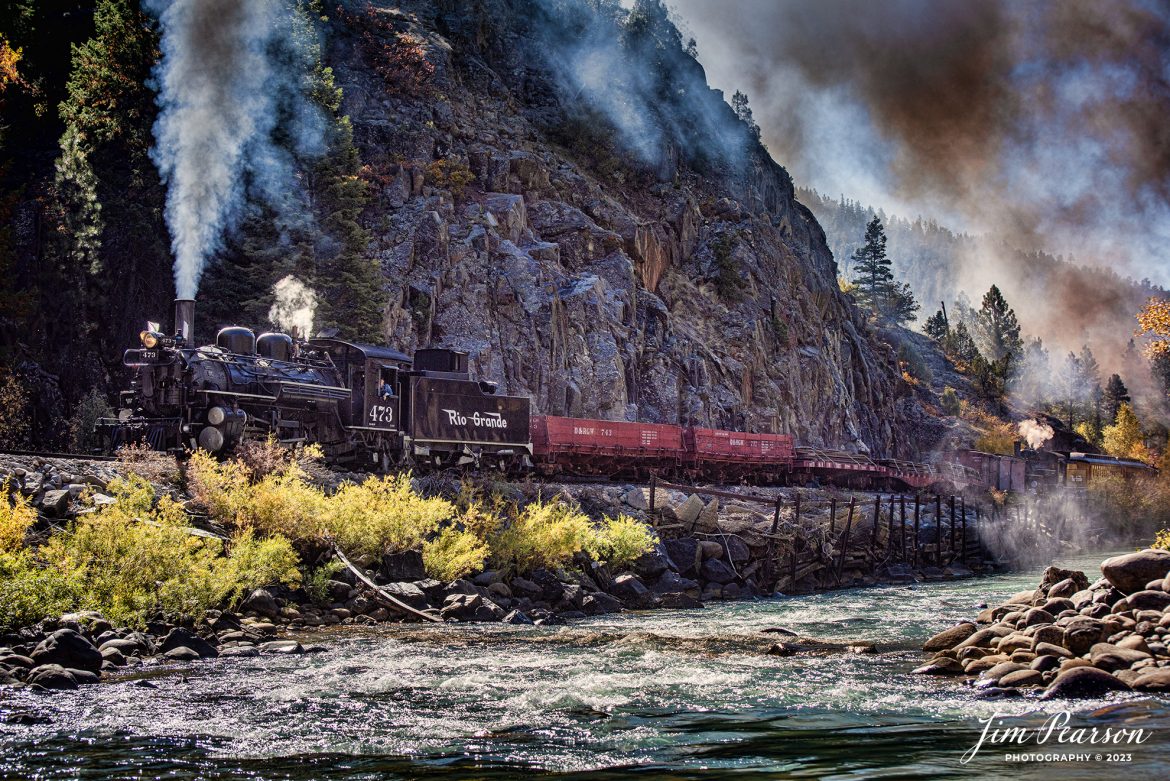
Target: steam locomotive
{"type": "Point", "coordinates": [364, 404]}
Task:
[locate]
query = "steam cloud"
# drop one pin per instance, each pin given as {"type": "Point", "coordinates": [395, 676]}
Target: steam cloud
{"type": "Point", "coordinates": [294, 307]}
{"type": "Point", "coordinates": [1035, 433]}
{"type": "Point", "coordinates": [229, 70]}
{"type": "Point", "coordinates": [1041, 122]}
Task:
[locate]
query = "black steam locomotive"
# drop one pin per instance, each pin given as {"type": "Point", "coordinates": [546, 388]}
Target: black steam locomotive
{"type": "Point", "coordinates": [364, 404]}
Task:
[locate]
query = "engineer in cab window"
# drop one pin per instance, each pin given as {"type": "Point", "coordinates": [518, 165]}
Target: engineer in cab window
{"type": "Point", "coordinates": [385, 390]}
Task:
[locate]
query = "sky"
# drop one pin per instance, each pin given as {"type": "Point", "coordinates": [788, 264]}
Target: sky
{"type": "Point", "coordinates": [1046, 123]}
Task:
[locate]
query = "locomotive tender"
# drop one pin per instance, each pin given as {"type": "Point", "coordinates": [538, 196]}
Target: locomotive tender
{"type": "Point", "coordinates": [364, 404]}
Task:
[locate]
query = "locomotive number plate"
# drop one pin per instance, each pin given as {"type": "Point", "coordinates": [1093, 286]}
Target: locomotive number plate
{"type": "Point", "coordinates": [380, 415]}
{"type": "Point", "coordinates": [149, 355]}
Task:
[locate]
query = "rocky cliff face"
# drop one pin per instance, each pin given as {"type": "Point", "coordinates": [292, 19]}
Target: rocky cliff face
{"type": "Point", "coordinates": [662, 283]}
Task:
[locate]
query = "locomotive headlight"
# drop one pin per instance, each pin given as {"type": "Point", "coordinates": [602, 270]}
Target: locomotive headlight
{"type": "Point", "coordinates": [149, 340]}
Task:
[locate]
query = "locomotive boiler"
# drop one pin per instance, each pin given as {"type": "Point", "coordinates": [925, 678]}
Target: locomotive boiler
{"type": "Point", "coordinates": [363, 404]}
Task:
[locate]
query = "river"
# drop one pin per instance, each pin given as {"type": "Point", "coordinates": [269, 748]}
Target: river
{"type": "Point", "coordinates": [672, 694]}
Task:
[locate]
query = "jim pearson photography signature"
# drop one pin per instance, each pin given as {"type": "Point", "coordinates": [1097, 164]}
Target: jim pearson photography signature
{"type": "Point", "coordinates": [1055, 731]}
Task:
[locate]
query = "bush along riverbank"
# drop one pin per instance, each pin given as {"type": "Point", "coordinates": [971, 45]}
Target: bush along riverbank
{"type": "Point", "coordinates": [106, 564]}
{"type": "Point", "coordinates": [1069, 637]}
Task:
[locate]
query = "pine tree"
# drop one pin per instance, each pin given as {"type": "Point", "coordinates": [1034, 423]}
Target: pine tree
{"type": "Point", "coordinates": [1033, 379]}
{"type": "Point", "coordinates": [960, 346]}
{"type": "Point", "coordinates": [937, 327]}
{"type": "Point", "coordinates": [997, 331]}
{"type": "Point", "coordinates": [739, 104]}
{"type": "Point", "coordinates": [1114, 396]}
{"type": "Point", "coordinates": [872, 270]}
{"type": "Point", "coordinates": [1091, 393]}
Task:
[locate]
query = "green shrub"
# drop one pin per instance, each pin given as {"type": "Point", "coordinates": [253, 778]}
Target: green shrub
{"type": "Point", "coordinates": [30, 591]}
{"type": "Point", "coordinates": [135, 559]}
{"type": "Point", "coordinates": [16, 517]}
{"type": "Point", "coordinates": [383, 515]}
{"type": "Point", "coordinates": [949, 400]}
{"type": "Point", "coordinates": [543, 534]}
{"type": "Point", "coordinates": [453, 554]}
{"type": "Point", "coordinates": [620, 541]}
{"type": "Point", "coordinates": [280, 502]}
{"type": "Point", "coordinates": [316, 581]}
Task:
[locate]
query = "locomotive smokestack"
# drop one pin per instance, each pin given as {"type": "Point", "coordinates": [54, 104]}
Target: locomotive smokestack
{"type": "Point", "coordinates": [185, 319]}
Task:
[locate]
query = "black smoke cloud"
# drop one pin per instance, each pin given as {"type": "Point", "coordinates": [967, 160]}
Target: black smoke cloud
{"type": "Point", "coordinates": [1044, 123]}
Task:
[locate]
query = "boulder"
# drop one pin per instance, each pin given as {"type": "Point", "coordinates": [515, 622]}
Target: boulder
{"type": "Point", "coordinates": [678, 600]}
{"type": "Point", "coordinates": [1083, 682]}
{"type": "Point", "coordinates": [671, 582]}
{"type": "Point", "coordinates": [942, 666]}
{"type": "Point", "coordinates": [239, 651]}
{"type": "Point", "coordinates": [261, 602]}
{"type": "Point", "coordinates": [1064, 589]}
{"type": "Point", "coordinates": [290, 647]}
{"type": "Point", "coordinates": [715, 571]}
{"type": "Point", "coordinates": [181, 653]}
{"type": "Point", "coordinates": [1037, 616]}
{"type": "Point", "coordinates": [53, 676]}
{"type": "Point", "coordinates": [55, 503]}
{"type": "Point", "coordinates": [638, 498]}
{"type": "Point", "coordinates": [1148, 600]}
{"type": "Point", "coordinates": [516, 617]}
{"type": "Point", "coordinates": [709, 549]}
{"type": "Point", "coordinates": [408, 593]}
{"type": "Point", "coordinates": [630, 589]}
{"type": "Point", "coordinates": [1052, 634]}
{"type": "Point", "coordinates": [994, 673]}
{"type": "Point", "coordinates": [68, 648]}
{"type": "Point", "coordinates": [1109, 657]}
{"type": "Point", "coordinates": [1055, 575]}
{"type": "Point", "coordinates": [653, 563]}
{"type": "Point", "coordinates": [1083, 633]}
{"type": "Point", "coordinates": [688, 511]}
{"type": "Point", "coordinates": [1131, 572]}
{"type": "Point", "coordinates": [599, 603]}
{"type": "Point", "coordinates": [185, 638]}
{"type": "Point", "coordinates": [684, 552]}
{"type": "Point", "coordinates": [949, 638]}
{"type": "Point", "coordinates": [1029, 677]}
{"type": "Point", "coordinates": [404, 566]}
{"type": "Point", "coordinates": [736, 550]}
{"type": "Point", "coordinates": [1153, 679]}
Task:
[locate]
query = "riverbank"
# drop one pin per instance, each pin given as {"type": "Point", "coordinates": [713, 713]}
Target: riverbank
{"type": "Point", "coordinates": [672, 550]}
{"type": "Point", "coordinates": [1067, 636]}
{"type": "Point", "coordinates": [684, 693]}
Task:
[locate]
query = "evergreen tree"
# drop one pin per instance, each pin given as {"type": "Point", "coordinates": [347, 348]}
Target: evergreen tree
{"type": "Point", "coordinates": [960, 346]}
{"type": "Point", "coordinates": [739, 104]}
{"type": "Point", "coordinates": [997, 331]}
{"type": "Point", "coordinates": [937, 327]}
{"type": "Point", "coordinates": [1033, 380]}
{"type": "Point", "coordinates": [1114, 396]}
{"type": "Point", "coordinates": [872, 270]}
{"type": "Point", "coordinates": [1091, 393]}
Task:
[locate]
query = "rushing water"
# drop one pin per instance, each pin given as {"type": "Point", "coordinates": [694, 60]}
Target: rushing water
{"type": "Point", "coordinates": [679, 694]}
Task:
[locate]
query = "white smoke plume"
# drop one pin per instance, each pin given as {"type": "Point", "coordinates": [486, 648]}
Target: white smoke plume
{"type": "Point", "coordinates": [1035, 433]}
{"type": "Point", "coordinates": [294, 307]}
{"type": "Point", "coordinates": [229, 69]}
